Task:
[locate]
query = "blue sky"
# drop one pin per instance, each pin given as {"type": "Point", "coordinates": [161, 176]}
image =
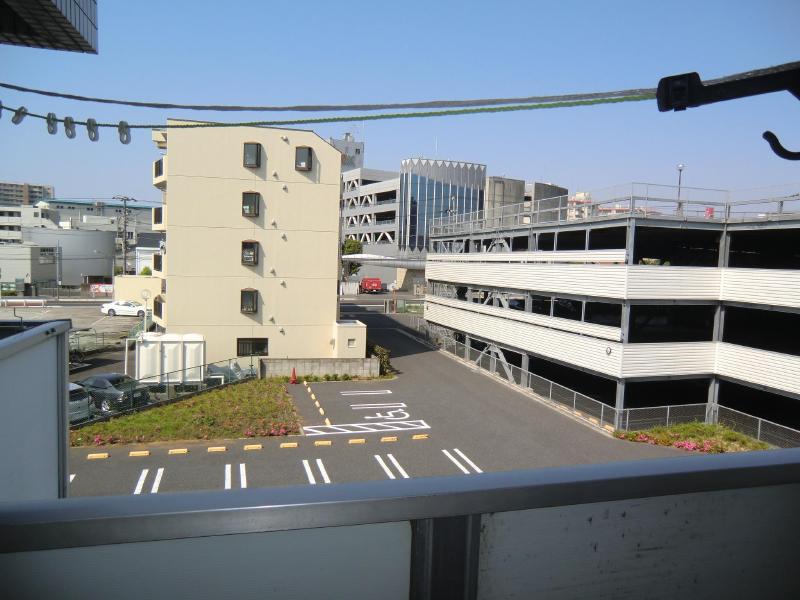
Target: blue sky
{"type": "Point", "coordinates": [309, 52]}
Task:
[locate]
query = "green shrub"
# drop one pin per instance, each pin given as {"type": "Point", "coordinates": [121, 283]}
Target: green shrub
{"type": "Point", "coordinates": [146, 271]}
{"type": "Point", "coordinates": [383, 355]}
{"type": "Point", "coordinates": [8, 293]}
{"type": "Point", "coordinates": [346, 377]}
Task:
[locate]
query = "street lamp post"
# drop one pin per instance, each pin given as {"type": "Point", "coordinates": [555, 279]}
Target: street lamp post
{"type": "Point", "coordinates": [680, 168]}
{"type": "Point", "coordinates": [125, 200]}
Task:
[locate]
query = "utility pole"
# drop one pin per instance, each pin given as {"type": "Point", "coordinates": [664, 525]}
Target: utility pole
{"type": "Point", "coordinates": [125, 200]}
{"type": "Point", "coordinates": [58, 270]}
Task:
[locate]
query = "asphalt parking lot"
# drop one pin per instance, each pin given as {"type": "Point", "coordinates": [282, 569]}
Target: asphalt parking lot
{"type": "Point", "coordinates": [438, 417]}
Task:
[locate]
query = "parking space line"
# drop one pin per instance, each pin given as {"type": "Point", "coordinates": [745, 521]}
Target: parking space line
{"type": "Point", "coordinates": [242, 475]}
{"type": "Point", "coordinates": [455, 462]}
{"type": "Point", "coordinates": [140, 483]}
{"type": "Point", "coordinates": [467, 460]}
{"type": "Point", "coordinates": [322, 470]}
{"type": "Point", "coordinates": [400, 469]}
{"type": "Point", "coordinates": [227, 477]}
{"type": "Point", "coordinates": [365, 392]}
{"type": "Point", "coordinates": [309, 474]}
{"type": "Point", "coordinates": [71, 477]}
{"type": "Point", "coordinates": [386, 470]}
{"type": "Point", "coordinates": [157, 482]}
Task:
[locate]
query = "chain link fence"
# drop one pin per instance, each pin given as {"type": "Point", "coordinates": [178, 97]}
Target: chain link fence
{"type": "Point", "coordinates": [603, 415]}
{"type": "Point", "coordinates": [124, 394]}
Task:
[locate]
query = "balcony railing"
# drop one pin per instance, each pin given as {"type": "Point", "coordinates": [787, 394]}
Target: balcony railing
{"type": "Point", "coordinates": [609, 530]}
{"type": "Point", "coordinates": [158, 262]}
{"type": "Point", "coordinates": [158, 216]}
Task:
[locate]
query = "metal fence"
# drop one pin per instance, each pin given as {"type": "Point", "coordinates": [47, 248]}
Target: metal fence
{"type": "Point", "coordinates": [603, 415]}
{"type": "Point", "coordinates": [132, 395]}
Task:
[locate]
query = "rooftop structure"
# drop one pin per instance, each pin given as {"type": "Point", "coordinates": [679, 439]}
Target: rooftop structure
{"type": "Point", "coordinates": [54, 24]}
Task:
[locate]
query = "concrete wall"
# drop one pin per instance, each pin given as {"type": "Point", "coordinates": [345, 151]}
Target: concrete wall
{"type": "Point", "coordinates": [129, 287]}
{"type": "Point", "coordinates": [297, 232]}
{"type": "Point", "coordinates": [355, 367]}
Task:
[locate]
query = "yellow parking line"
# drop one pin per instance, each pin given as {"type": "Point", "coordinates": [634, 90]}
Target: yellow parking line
{"type": "Point", "coordinates": [305, 383]}
{"type": "Point", "coordinates": [327, 421]}
{"type": "Point", "coordinates": [357, 441]}
{"type": "Point", "coordinates": [314, 397]}
{"type": "Point", "coordinates": [308, 389]}
{"type": "Point", "coordinates": [178, 451]}
{"type": "Point", "coordinates": [289, 445]}
{"type": "Point", "coordinates": [389, 438]}
{"type": "Point", "coordinates": [316, 403]}
{"type": "Point", "coordinates": [97, 455]}
{"type": "Point", "coordinates": [322, 412]}
{"type": "Point", "coordinates": [139, 453]}
{"type": "Point", "coordinates": [253, 446]}
{"type": "Point", "coordinates": [217, 449]}
{"type": "Point", "coordinates": [419, 436]}
{"type": "Point", "coordinates": [322, 443]}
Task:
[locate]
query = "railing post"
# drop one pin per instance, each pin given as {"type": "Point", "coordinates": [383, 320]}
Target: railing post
{"type": "Point", "coordinates": [758, 431]}
{"type": "Point", "coordinates": [667, 415]}
{"type": "Point", "coordinates": [550, 393]}
{"type": "Point", "coordinates": [574, 401]}
{"type": "Point", "coordinates": [602, 406]}
{"type": "Point", "coordinates": [627, 419]}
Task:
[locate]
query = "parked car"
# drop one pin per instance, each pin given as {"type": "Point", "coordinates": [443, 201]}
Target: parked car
{"type": "Point", "coordinates": [79, 403]}
{"type": "Point", "coordinates": [114, 392]}
{"type": "Point", "coordinates": [122, 307]}
{"type": "Point", "coordinates": [218, 375]}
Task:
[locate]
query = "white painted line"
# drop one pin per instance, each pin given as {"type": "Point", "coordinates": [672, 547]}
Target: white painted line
{"type": "Point", "coordinates": [309, 474]}
{"type": "Point", "coordinates": [455, 462]}
{"type": "Point", "coordinates": [397, 464]}
{"type": "Point", "coordinates": [386, 470]}
{"type": "Point", "coordinates": [311, 430]}
{"type": "Point", "coordinates": [378, 405]}
{"type": "Point", "coordinates": [243, 475]}
{"type": "Point", "coordinates": [468, 461]}
{"type": "Point", "coordinates": [322, 470]}
{"type": "Point", "coordinates": [227, 477]}
{"type": "Point", "coordinates": [140, 484]}
{"type": "Point", "coordinates": [157, 482]}
{"type": "Point", "coordinates": [71, 477]}
{"type": "Point", "coordinates": [365, 392]}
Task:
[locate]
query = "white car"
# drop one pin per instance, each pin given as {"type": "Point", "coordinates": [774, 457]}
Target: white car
{"type": "Point", "coordinates": [122, 307]}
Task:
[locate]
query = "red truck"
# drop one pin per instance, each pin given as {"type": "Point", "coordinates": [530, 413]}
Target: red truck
{"type": "Point", "coordinates": [370, 285]}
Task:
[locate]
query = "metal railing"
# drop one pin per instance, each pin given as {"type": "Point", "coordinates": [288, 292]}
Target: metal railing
{"type": "Point", "coordinates": [603, 415]}
{"type": "Point", "coordinates": [137, 394]}
{"type": "Point", "coordinates": [636, 199]}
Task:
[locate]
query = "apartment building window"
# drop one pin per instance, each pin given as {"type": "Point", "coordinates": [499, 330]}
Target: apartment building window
{"type": "Point", "coordinates": [302, 158]}
{"type": "Point", "coordinates": [351, 342]}
{"type": "Point", "coordinates": [250, 252]}
{"type": "Point", "coordinates": [158, 307]}
{"type": "Point", "coordinates": [252, 346]}
{"type": "Point", "coordinates": [252, 155]}
{"type": "Point", "coordinates": [157, 262]}
{"type": "Point", "coordinates": [250, 202]}
{"type": "Point", "coordinates": [249, 300]}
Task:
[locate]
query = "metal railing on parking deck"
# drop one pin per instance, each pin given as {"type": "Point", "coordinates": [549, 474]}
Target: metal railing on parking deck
{"type": "Point", "coordinates": [603, 415]}
{"type": "Point", "coordinates": [138, 394]}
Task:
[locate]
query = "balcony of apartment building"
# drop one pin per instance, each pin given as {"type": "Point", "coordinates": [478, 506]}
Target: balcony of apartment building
{"type": "Point", "coordinates": [160, 306]}
{"type": "Point", "coordinates": [159, 264]}
{"type": "Point", "coordinates": [10, 233]}
{"type": "Point", "coordinates": [160, 173]}
{"type": "Point", "coordinates": [160, 218]}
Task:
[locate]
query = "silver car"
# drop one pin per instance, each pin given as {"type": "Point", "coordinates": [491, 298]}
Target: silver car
{"type": "Point", "coordinates": [79, 403]}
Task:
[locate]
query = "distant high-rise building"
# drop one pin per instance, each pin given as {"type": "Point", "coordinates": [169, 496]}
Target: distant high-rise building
{"type": "Point", "coordinates": [18, 194]}
{"type": "Point", "coordinates": [352, 151]}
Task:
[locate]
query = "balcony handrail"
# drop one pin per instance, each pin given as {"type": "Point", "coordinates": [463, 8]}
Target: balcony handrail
{"type": "Point", "coordinates": [91, 521]}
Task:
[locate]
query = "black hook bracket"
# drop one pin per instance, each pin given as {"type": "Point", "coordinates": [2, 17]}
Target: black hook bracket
{"type": "Point", "coordinates": [679, 92]}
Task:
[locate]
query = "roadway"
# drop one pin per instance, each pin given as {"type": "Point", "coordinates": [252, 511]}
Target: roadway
{"type": "Point", "coordinates": [438, 417]}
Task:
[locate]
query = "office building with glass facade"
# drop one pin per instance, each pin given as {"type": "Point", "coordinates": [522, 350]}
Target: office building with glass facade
{"type": "Point", "coordinates": [431, 189]}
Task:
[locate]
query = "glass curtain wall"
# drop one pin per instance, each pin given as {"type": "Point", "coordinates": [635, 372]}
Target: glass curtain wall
{"type": "Point", "coordinates": [435, 188]}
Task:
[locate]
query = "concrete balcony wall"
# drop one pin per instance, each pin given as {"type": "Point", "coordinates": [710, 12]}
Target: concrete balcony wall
{"type": "Point", "coordinates": [160, 173]}
{"type": "Point", "coordinates": [162, 225]}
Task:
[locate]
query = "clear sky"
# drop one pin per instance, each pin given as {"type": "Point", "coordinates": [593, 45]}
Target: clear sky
{"type": "Point", "coordinates": [342, 52]}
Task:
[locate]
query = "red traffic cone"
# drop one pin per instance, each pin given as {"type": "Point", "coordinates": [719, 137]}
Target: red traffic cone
{"type": "Point", "coordinates": [294, 377]}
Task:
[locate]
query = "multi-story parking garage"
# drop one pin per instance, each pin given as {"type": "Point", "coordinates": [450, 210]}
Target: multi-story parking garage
{"type": "Point", "coordinates": [650, 296]}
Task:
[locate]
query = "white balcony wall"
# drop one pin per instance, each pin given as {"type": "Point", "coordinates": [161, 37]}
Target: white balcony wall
{"type": "Point", "coordinates": [646, 282]}
{"type": "Point", "coordinates": [771, 369]}
{"type": "Point", "coordinates": [601, 356]}
{"type": "Point", "coordinates": [591, 329]}
{"type": "Point", "coordinates": [775, 287]}
{"type": "Point", "coordinates": [672, 358]}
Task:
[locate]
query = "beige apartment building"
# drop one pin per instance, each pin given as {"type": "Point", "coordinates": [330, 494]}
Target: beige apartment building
{"type": "Point", "coordinates": [251, 258]}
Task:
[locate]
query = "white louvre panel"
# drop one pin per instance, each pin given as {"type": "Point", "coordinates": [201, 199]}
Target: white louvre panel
{"type": "Point", "coordinates": [776, 287]}
{"type": "Point", "coordinates": [673, 358]}
{"type": "Point", "coordinates": [771, 369]}
{"type": "Point", "coordinates": [673, 283]}
{"type": "Point", "coordinates": [589, 280]}
{"type": "Point", "coordinates": [599, 331]}
{"type": "Point", "coordinates": [582, 351]}
{"type": "Point", "coordinates": [562, 256]}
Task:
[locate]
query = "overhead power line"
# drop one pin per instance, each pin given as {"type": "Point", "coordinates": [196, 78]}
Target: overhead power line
{"type": "Point", "coordinates": [426, 104]}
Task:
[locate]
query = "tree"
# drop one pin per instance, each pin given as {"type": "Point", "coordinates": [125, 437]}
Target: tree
{"type": "Point", "coordinates": [118, 271]}
{"type": "Point", "coordinates": [352, 247]}
{"type": "Point", "coordinates": [146, 271]}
